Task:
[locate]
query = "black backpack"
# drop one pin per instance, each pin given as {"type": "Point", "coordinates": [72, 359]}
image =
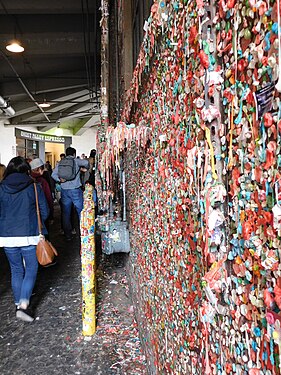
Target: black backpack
{"type": "Point", "coordinates": [67, 168]}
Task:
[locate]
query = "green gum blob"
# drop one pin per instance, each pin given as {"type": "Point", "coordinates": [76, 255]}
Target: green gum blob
{"type": "Point", "coordinates": [227, 26]}
{"type": "Point", "coordinates": [247, 34]}
{"type": "Point", "coordinates": [269, 25]}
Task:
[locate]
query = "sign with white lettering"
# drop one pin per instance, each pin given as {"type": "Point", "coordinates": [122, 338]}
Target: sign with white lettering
{"type": "Point", "coordinates": [41, 137]}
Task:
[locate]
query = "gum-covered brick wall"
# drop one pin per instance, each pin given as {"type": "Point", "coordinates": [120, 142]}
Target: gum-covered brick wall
{"type": "Point", "coordinates": [202, 170]}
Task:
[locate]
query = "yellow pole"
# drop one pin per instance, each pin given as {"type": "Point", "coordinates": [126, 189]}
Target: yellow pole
{"type": "Point", "coordinates": [87, 228]}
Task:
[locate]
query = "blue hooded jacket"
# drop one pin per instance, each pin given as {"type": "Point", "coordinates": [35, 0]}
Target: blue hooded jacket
{"type": "Point", "coordinates": [18, 217]}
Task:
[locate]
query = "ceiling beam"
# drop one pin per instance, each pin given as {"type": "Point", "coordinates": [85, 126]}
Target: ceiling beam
{"type": "Point", "coordinates": [37, 124]}
{"type": "Point", "coordinates": [93, 121]}
{"type": "Point", "coordinates": [54, 116]}
{"type": "Point", "coordinates": [46, 127]}
{"type": "Point", "coordinates": [22, 114]}
{"type": "Point", "coordinates": [58, 44]}
{"type": "Point", "coordinates": [43, 23]}
{"type": "Point", "coordinates": [24, 106]}
{"type": "Point", "coordinates": [38, 86]}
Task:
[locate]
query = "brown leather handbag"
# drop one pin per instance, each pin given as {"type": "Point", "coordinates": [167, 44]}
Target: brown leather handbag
{"type": "Point", "coordinates": [45, 251]}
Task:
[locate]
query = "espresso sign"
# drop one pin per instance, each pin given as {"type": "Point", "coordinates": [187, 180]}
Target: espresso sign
{"type": "Point", "coordinates": [41, 137]}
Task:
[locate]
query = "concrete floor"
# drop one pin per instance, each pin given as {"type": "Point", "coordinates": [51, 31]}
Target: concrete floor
{"type": "Point", "coordinates": [53, 343]}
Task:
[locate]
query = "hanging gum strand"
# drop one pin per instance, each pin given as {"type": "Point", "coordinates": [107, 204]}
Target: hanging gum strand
{"type": "Point", "coordinates": [208, 137]}
{"type": "Point", "coordinates": [230, 163]}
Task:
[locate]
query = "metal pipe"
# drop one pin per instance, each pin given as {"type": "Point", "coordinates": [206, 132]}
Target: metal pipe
{"type": "Point", "coordinates": [7, 109]}
{"type": "Point", "coordinates": [124, 195]}
{"type": "Point", "coordinates": [117, 62]}
{"type": "Point", "coordinates": [104, 68]}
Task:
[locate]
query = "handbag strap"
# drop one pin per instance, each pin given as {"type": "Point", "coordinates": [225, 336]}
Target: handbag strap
{"type": "Point", "coordinates": [37, 209]}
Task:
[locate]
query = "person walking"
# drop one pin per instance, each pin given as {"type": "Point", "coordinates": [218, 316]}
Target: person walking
{"type": "Point", "coordinates": [67, 172]}
{"type": "Point", "coordinates": [37, 171]}
{"type": "Point", "coordinates": [47, 173]}
{"type": "Point", "coordinates": [19, 232]}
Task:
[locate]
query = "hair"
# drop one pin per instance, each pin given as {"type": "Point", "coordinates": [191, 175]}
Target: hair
{"type": "Point", "coordinates": [62, 155]}
{"type": "Point", "coordinates": [70, 151]}
{"type": "Point", "coordinates": [93, 153]}
{"type": "Point", "coordinates": [17, 165]}
{"type": "Point", "coordinates": [2, 171]}
{"type": "Point", "coordinates": [47, 166]}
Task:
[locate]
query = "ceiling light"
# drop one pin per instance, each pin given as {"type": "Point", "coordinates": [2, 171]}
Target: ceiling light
{"type": "Point", "coordinates": [44, 105]}
{"type": "Point", "coordinates": [58, 131]}
{"type": "Point", "coordinates": [15, 46]}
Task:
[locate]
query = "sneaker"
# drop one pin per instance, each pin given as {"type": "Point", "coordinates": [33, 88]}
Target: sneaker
{"type": "Point", "coordinates": [25, 315]}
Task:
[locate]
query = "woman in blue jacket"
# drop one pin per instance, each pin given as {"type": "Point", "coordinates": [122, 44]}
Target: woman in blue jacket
{"type": "Point", "coordinates": [19, 232]}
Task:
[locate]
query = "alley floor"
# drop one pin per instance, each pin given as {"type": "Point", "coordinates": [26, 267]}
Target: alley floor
{"type": "Point", "coordinates": [53, 343]}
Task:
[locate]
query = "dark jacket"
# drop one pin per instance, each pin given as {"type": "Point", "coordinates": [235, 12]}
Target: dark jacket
{"type": "Point", "coordinates": [18, 217]}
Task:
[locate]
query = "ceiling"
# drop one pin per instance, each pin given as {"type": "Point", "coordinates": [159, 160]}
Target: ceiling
{"type": "Point", "coordinates": [60, 64]}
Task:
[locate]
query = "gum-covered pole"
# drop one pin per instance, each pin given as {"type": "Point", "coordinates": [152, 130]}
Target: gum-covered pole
{"type": "Point", "coordinates": [87, 228]}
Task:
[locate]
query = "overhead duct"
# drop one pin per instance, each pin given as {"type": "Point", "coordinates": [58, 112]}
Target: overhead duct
{"type": "Point", "coordinates": [6, 108]}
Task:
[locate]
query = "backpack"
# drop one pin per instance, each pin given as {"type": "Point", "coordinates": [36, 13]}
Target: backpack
{"type": "Point", "coordinates": [67, 169]}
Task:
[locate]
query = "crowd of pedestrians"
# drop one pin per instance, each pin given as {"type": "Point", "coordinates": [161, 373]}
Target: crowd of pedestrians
{"type": "Point", "coordinates": [19, 233]}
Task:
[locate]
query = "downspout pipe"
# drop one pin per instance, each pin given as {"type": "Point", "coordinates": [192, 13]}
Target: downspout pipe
{"type": "Point", "coordinates": [117, 63]}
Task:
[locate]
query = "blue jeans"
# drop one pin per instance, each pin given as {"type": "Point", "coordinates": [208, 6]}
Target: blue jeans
{"type": "Point", "coordinates": [24, 266]}
{"type": "Point", "coordinates": [69, 197]}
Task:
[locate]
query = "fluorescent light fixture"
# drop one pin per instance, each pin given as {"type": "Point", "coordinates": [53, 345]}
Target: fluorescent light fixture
{"type": "Point", "coordinates": [44, 105]}
{"type": "Point", "coordinates": [15, 46]}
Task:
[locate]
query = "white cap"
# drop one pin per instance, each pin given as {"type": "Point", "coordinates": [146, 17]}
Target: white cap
{"type": "Point", "coordinates": [36, 163]}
